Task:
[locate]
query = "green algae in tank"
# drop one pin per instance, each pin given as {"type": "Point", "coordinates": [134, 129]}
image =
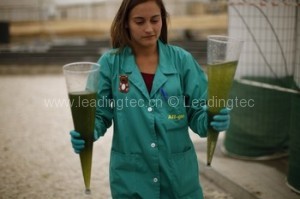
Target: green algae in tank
{"type": "Point", "coordinates": [83, 108]}
{"type": "Point", "coordinates": [220, 78]}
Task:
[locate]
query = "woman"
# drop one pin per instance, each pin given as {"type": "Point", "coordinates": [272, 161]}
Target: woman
{"type": "Point", "coordinates": [157, 91]}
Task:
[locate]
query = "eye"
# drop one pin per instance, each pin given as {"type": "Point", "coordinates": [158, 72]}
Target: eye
{"type": "Point", "coordinates": [155, 19]}
{"type": "Point", "coordinates": [139, 22]}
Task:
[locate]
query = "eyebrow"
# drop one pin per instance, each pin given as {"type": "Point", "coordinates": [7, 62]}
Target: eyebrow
{"type": "Point", "coordinates": [154, 16]}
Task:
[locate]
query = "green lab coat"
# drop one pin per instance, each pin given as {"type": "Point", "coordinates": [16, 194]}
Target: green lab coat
{"type": "Point", "coordinates": [152, 155]}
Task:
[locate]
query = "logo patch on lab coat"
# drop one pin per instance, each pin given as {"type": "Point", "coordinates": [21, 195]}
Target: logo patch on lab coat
{"type": "Point", "coordinates": [123, 85]}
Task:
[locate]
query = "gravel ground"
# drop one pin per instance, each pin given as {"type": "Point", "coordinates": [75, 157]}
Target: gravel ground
{"type": "Point", "coordinates": [36, 157]}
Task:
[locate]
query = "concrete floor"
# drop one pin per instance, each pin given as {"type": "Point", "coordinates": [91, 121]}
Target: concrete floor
{"type": "Point", "coordinates": [246, 179]}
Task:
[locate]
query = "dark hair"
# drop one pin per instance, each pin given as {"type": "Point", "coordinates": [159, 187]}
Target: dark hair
{"type": "Point", "coordinates": [119, 32]}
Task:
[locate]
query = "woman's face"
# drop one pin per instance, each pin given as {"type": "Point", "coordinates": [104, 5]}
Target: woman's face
{"type": "Point", "coordinates": [145, 24]}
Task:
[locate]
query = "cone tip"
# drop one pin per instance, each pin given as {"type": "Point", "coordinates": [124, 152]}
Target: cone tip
{"type": "Point", "coordinates": [88, 191]}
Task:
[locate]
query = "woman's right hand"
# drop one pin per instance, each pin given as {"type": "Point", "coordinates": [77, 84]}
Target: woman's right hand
{"type": "Point", "coordinates": [77, 142]}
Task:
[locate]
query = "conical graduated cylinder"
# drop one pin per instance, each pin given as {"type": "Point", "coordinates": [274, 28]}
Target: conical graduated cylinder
{"type": "Point", "coordinates": [84, 122]}
{"type": "Point", "coordinates": [222, 57]}
{"type": "Point", "coordinates": [220, 78]}
{"type": "Point", "coordinates": [82, 80]}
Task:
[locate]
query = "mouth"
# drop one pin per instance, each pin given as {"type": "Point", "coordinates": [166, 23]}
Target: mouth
{"type": "Point", "coordinates": [149, 37]}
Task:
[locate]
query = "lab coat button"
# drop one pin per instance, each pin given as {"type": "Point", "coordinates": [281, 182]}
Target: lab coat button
{"type": "Point", "coordinates": [150, 109]}
{"type": "Point", "coordinates": [155, 180]}
{"type": "Point", "coordinates": [153, 145]}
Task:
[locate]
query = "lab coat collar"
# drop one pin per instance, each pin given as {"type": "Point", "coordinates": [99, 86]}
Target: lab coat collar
{"type": "Point", "coordinates": [165, 67]}
{"type": "Point", "coordinates": [164, 64]}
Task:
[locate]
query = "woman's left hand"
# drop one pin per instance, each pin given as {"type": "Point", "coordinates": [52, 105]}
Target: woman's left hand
{"type": "Point", "coordinates": [221, 121]}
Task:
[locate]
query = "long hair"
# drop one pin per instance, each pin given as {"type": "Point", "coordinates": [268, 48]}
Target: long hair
{"type": "Point", "coordinates": [119, 31]}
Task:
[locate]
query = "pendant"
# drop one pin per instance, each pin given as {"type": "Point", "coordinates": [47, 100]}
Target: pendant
{"type": "Point", "coordinates": [124, 84]}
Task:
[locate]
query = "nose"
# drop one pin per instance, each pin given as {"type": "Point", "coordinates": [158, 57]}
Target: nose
{"type": "Point", "coordinates": [148, 28]}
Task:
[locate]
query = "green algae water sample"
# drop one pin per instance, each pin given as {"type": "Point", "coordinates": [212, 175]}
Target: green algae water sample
{"type": "Point", "coordinates": [220, 78]}
{"type": "Point", "coordinates": [83, 107]}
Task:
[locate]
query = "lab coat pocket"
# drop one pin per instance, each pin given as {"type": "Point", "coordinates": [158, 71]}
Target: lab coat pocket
{"type": "Point", "coordinates": [124, 170]}
{"type": "Point", "coordinates": [185, 173]}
